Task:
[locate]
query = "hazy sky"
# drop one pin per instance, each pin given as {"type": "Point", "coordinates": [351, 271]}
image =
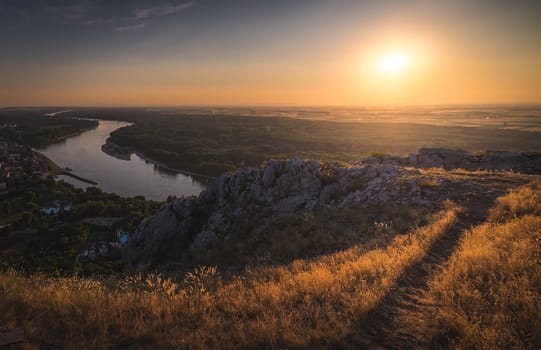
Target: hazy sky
{"type": "Point", "coordinates": [279, 52]}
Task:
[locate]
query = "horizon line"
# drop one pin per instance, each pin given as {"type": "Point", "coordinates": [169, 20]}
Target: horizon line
{"type": "Point", "coordinates": [505, 104]}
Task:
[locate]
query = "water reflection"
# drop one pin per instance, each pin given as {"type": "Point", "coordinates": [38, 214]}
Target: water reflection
{"type": "Point", "coordinates": [127, 178]}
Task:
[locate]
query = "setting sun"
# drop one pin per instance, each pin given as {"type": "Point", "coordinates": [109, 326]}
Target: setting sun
{"type": "Point", "coordinates": [394, 63]}
{"type": "Point", "coordinates": [195, 174]}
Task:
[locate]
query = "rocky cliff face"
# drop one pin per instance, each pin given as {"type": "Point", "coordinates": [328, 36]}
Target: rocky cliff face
{"type": "Point", "coordinates": [282, 187]}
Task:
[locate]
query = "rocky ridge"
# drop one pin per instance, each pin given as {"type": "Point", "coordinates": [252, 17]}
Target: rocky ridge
{"type": "Point", "coordinates": [284, 187]}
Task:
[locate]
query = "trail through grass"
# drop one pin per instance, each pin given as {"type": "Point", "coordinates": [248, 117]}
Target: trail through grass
{"type": "Point", "coordinates": [308, 303]}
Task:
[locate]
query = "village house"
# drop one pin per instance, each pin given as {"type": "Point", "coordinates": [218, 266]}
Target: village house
{"type": "Point", "coordinates": [16, 162]}
{"type": "Point", "coordinates": [94, 250]}
{"type": "Point", "coordinates": [56, 208]}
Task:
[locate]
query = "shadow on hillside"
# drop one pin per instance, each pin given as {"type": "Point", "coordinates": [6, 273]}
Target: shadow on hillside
{"type": "Point", "coordinates": [309, 235]}
{"type": "Point", "coordinates": [379, 328]}
{"type": "Point", "coordinates": [266, 239]}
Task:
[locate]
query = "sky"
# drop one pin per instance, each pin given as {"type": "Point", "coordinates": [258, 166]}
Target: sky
{"type": "Point", "coordinates": [280, 52]}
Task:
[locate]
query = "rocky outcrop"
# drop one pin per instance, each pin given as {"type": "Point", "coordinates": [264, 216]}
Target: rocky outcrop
{"type": "Point", "coordinates": [282, 187]}
{"type": "Point", "coordinates": [527, 163]}
{"type": "Point", "coordinates": [172, 227]}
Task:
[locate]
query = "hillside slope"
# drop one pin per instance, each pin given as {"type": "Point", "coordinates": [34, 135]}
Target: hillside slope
{"type": "Point", "coordinates": [245, 214]}
{"type": "Point", "coordinates": [385, 253]}
{"type": "Point", "coordinates": [441, 285]}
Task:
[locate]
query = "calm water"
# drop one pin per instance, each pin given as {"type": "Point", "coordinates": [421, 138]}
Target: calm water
{"type": "Point", "coordinates": [126, 178]}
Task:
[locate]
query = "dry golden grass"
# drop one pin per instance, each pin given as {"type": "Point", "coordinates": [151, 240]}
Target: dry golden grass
{"type": "Point", "coordinates": [489, 295]}
{"type": "Point", "coordinates": [316, 303]}
{"type": "Point", "coordinates": [525, 200]}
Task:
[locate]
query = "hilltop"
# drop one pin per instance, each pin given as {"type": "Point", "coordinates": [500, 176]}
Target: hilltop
{"type": "Point", "coordinates": [387, 252]}
{"type": "Point", "coordinates": [241, 212]}
{"type": "Point", "coordinates": [439, 249]}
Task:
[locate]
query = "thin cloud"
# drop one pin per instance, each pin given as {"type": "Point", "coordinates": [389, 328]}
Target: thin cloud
{"type": "Point", "coordinates": [162, 10]}
{"type": "Point", "coordinates": [125, 15]}
{"type": "Point", "coordinates": [131, 27]}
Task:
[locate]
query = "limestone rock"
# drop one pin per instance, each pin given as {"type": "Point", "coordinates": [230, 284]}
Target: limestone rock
{"type": "Point", "coordinates": [279, 188]}
{"type": "Point", "coordinates": [173, 223]}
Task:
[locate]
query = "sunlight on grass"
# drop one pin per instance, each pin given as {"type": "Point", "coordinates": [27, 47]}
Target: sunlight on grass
{"type": "Point", "coordinates": [315, 302]}
{"type": "Point", "coordinates": [488, 297]}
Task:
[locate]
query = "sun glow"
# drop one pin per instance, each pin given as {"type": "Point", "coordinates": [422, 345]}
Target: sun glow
{"type": "Point", "coordinates": [394, 63]}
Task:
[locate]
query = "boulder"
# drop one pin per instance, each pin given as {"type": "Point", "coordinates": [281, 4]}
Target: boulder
{"type": "Point", "coordinates": [328, 192]}
{"type": "Point", "coordinates": [172, 224]}
{"type": "Point", "coordinates": [269, 173]}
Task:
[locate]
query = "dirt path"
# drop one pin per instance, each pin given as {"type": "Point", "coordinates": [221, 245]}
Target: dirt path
{"type": "Point", "coordinates": [382, 327]}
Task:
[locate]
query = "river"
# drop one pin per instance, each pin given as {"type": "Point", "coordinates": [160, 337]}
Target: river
{"type": "Point", "coordinates": [127, 178]}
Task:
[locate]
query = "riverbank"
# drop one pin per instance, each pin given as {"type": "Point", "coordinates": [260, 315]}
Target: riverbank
{"type": "Point", "coordinates": [86, 155]}
{"type": "Point", "coordinates": [77, 177]}
{"type": "Point", "coordinates": [54, 114]}
{"type": "Point", "coordinates": [61, 138]}
{"type": "Point", "coordinates": [51, 165]}
{"type": "Point", "coordinates": [56, 169]}
{"type": "Point", "coordinates": [168, 168]}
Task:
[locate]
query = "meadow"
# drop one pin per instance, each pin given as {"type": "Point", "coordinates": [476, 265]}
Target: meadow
{"type": "Point", "coordinates": [485, 296]}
